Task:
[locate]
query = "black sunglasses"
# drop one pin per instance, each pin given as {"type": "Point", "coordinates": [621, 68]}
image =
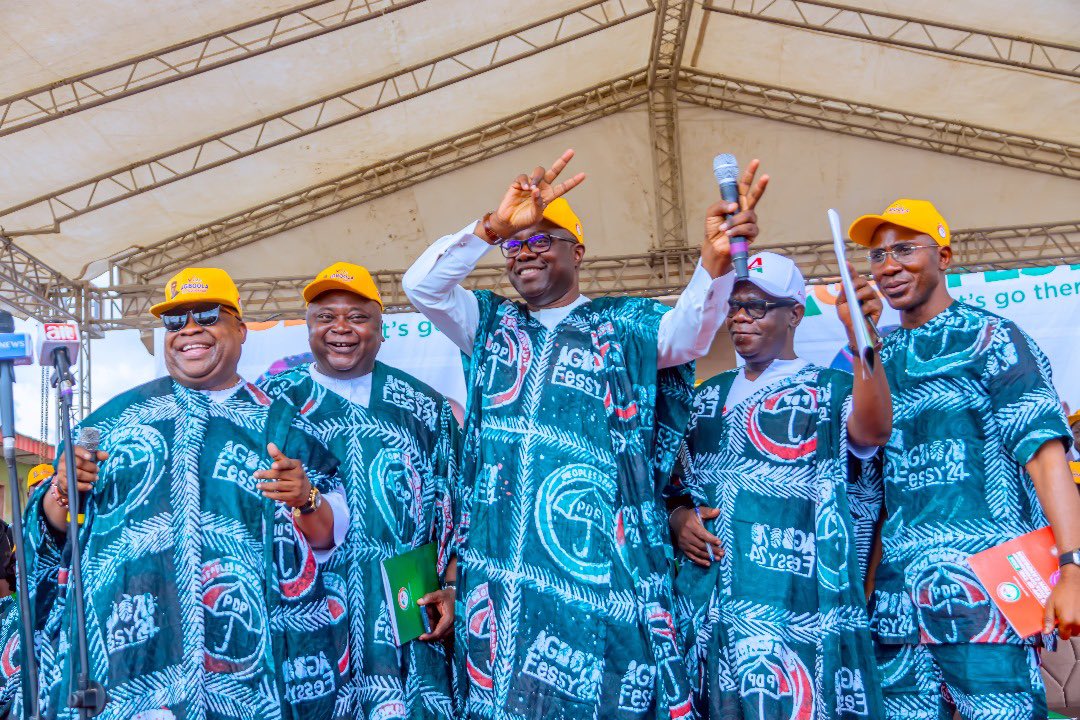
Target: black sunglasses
{"type": "Point", "coordinates": [756, 309]}
{"type": "Point", "coordinates": [541, 242]}
{"type": "Point", "coordinates": [177, 321]}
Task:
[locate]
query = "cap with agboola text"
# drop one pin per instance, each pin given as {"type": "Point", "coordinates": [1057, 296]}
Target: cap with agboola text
{"type": "Point", "coordinates": [38, 473]}
{"type": "Point", "coordinates": [918, 215]}
{"type": "Point", "coordinates": [777, 275]}
{"type": "Point", "coordinates": [344, 276]}
{"type": "Point", "coordinates": [199, 285]}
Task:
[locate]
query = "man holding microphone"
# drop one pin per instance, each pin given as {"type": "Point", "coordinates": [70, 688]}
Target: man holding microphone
{"type": "Point", "coordinates": [203, 597]}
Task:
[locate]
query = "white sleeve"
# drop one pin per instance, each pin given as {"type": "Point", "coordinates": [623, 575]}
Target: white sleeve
{"type": "Point", "coordinates": [433, 285]}
{"type": "Point", "coordinates": [686, 333]}
{"type": "Point", "coordinates": [862, 452]}
{"type": "Point", "coordinates": [339, 506]}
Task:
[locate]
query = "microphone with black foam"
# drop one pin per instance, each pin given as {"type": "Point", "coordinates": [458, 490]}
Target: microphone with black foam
{"type": "Point", "coordinates": [726, 170]}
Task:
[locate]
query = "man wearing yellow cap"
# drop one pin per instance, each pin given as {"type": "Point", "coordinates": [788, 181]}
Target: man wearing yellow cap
{"type": "Point", "coordinates": [203, 596]}
{"type": "Point", "coordinates": [976, 457]}
{"type": "Point", "coordinates": [576, 409]}
{"type": "Point", "coordinates": [391, 440]}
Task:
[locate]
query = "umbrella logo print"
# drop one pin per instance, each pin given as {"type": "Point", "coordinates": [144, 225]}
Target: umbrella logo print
{"type": "Point", "coordinates": [575, 521]}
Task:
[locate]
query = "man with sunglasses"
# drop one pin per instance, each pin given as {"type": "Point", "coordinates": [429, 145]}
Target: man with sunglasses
{"type": "Point", "coordinates": [203, 596]}
{"type": "Point", "coordinates": [773, 596]}
{"type": "Point", "coordinates": [392, 440]}
{"type": "Point", "coordinates": [976, 458]}
{"type": "Point", "coordinates": [576, 409]}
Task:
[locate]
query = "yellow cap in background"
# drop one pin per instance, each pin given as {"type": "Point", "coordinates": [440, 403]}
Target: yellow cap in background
{"type": "Point", "coordinates": [918, 215]}
{"type": "Point", "coordinates": [344, 276]}
{"type": "Point", "coordinates": [199, 285]}
{"type": "Point", "coordinates": [559, 212]}
{"type": "Point", "coordinates": [1074, 418]}
{"type": "Point", "coordinates": [39, 473]}
{"type": "Point", "coordinates": [1075, 467]}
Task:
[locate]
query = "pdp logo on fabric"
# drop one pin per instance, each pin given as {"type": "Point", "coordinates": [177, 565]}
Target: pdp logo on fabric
{"type": "Point", "coordinates": [1009, 592]}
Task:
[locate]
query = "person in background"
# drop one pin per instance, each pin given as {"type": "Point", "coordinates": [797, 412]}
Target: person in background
{"type": "Point", "coordinates": [772, 598]}
{"type": "Point", "coordinates": [391, 440]}
{"type": "Point", "coordinates": [203, 598]}
{"type": "Point", "coordinates": [576, 409]}
{"type": "Point", "coordinates": [1074, 427]}
{"type": "Point", "coordinates": [976, 458]}
{"type": "Point", "coordinates": [7, 560]}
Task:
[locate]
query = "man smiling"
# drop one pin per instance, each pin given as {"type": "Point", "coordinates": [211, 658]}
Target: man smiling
{"type": "Point", "coordinates": [976, 457]}
{"type": "Point", "coordinates": [767, 457]}
{"type": "Point", "coordinates": [575, 412]}
{"type": "Point", "coordinates": [391, 440]}
{"type": "Point", "coordinates": [203, 598]}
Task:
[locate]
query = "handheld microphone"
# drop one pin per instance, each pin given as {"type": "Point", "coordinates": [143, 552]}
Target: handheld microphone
{"type": "Point", "coordinates": [89, 438]}
{"type": "Point", "coordinates": [726, 170]}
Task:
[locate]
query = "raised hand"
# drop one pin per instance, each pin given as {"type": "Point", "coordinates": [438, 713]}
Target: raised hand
{"type": "Point", "coordinates": [716, 249]}
{"type": "Point", "coordinates": [523, 204]}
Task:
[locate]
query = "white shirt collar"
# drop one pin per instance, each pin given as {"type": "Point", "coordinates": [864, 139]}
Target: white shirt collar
{"type": "Point", "coordinates": [220, 396]}
{"type": "Point", "coordinates": [355, 390]}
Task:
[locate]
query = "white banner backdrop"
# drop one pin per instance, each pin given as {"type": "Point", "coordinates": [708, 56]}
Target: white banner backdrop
{"type": "Point", "coordinates": [1044, 302]}
{"type": "Point", "coordinates": [410, 342]}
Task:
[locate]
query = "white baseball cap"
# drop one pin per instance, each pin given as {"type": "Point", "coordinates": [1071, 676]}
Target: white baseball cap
{"type": "Point", "coordinates": [777, 275]}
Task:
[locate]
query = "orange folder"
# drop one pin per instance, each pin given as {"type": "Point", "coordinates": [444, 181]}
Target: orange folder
{"type": "Point", "coordinates": [1019, 574]}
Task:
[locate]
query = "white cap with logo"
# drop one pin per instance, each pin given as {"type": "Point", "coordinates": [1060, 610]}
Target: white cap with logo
{"type": "Point", "coordinates": [777, 275]}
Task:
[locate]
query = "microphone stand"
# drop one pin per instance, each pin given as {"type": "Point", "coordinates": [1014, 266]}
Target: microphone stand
{"type": "Point", "coordinates": [26, 626]}
{"type": "Point", "coordinates": [89, 696]}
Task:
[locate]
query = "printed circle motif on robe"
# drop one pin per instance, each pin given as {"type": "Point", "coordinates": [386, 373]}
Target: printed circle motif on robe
{"type": "Point", "coordinates": [233, 615]}
{"type": "Point", "coordinates": [575, 521]}
{"type": "Point", "coordinates": [509, 352]}
{"type": "Point", "coordinates": [772, 676]}
{"type": "Point", "coordinates": [784, 425]}
{"type": "Point", "coordinates": [953, 607]}
{"type": "Point", "coordinates": [395, 488]}
{"type": "Point", "coordinates": [832, 544]}
{"type": "Point", "coordinates": [135, 451]}
{"type": "Point", "coordinates": [480, 622]}
{"type": "Point", "coordinates": [959, 343]}
{"type": "Point", "coordinates": [294, 558]}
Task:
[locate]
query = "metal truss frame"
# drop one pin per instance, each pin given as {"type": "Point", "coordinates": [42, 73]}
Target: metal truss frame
{"type": "Point", "coordinates": [910, 32]}
{"type": "Point", "coordinates": [878, 123]}
{"type": "Point", "coordinates": [330, 110]}
{"type": "Point", "coordinates": [186, 59]}
{"type": "Point", "coordinates": [668, 44]}
{"type": "Point", "coordinates": [646, 275]}
{"type": "Point", "coordinates": [30, 287]}
{"type": "Point", "coordinates": [380, 179]}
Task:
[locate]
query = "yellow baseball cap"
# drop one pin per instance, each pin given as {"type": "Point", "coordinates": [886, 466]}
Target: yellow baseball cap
{"type": "Point", "coordinates": [559, 212]}
{"type": "Point", "coordinates": [344, 276]}
{"type": "Point", "coordinates": [918, 215]}
{"type": "Point", "coordinates": [199, 285]}
{"type": "Point", "coordinates": [1074, 418]}
{"type": "Point", "coordinates": [1074, 466]}
{"type": "Point", "coordinates": [39, 473]}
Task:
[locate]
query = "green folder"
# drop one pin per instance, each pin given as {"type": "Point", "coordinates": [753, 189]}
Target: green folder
{"type": "Point", "coordinates": [407, 578]}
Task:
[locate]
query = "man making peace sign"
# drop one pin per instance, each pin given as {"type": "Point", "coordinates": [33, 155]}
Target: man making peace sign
{"type": "Point", "coordinates": [576, 408]}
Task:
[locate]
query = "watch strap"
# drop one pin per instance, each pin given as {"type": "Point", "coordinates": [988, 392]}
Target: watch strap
{"type": "Point", "coordinates": [1069, 558]}
{"type": "Point", "coordinates": [313, 502]}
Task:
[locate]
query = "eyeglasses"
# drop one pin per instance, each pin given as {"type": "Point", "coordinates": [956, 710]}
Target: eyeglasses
{"type": "Point", "coordinates": [901, 252]}
{"type": "Point", "coordinates": [538, 243]}
{"type": "Point", "coordinates": [756, 309]}
{"type": "Point", "coordinates": [175, 322]}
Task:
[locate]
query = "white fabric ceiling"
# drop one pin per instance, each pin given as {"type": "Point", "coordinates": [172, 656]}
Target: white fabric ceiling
{"type": "Point", "coordinates": [46, 41]}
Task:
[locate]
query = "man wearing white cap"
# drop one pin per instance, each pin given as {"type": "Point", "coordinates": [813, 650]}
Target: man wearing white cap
{"type": "Point", "coordinates": [777, 625]}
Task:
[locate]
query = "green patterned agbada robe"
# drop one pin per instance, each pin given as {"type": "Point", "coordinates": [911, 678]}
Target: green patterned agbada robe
{"type": "Point", "coordinates": [777, 629]}
{"type": "Point", "coordinates": [565, 606]}
{"type": "Point", "coordinates": [203, 599]}
{"type": "Point", "coordinates": [395, 458]}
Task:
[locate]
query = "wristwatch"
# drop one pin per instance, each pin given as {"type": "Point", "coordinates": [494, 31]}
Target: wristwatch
{"type": "Point", "coordinates": [314, 501]}
{"type": "Point", "coordinates": [1069, 558]}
